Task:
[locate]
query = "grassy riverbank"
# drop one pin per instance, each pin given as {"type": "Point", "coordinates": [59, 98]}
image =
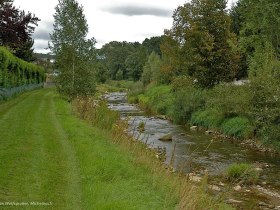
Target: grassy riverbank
{"type": "Point", "coordinates": [229, 109]}
{"type": "Point", "coordinates": [49, 155]}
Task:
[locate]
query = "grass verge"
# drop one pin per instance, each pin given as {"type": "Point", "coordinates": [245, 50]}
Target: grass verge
{"type": "Point", "coordinates": [49, 155]}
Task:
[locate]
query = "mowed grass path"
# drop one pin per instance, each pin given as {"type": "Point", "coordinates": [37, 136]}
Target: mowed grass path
{"type": "Point", "coordinates": [48, 155]}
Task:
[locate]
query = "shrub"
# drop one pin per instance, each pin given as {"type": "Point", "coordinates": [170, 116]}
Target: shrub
{"type": "Point", "coordinates": [160, 98]}
{"type": "Point", "coordinates": [135, 90]}
{"type": "Point", "coordinates": [242, 172]}
{"type": "Point", "coordinates": [270, 134]}
{"type": "Point", "coordinates": [187, 99]}
{"type": "Point", "coordinates": [209, 118]}
{"type": "Point", "coordinates": [237, 127]}
{"type": "Point", "coordinates": [229, 99]}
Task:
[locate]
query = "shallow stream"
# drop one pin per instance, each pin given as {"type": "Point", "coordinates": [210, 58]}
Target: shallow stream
{"type": "Point", "coordinates": [199, 153]}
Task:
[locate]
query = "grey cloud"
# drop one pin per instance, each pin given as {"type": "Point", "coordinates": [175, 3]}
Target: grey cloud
{"type": "Point", "coordinates": [42, 34]}
{"type": "Point", "coordinates": [41, 46]}
{"type": "Point", "coordinates": [138, 10]}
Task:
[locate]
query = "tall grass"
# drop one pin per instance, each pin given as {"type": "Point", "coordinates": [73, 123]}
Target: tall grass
{"type": "Point", "coordinates": [96, 112]}
{"type": "Point", "coordinates": [237, 127]}
{"type": "Point", "coordinates": [242, 172]}
{"type": "Point", "coordinates": [178, 190]}
{"type": "Point", "coordinates": [207, 118]}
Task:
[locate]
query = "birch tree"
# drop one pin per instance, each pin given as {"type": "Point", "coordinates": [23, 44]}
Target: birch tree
{"type": "Point", "coordinates": [75, 55]}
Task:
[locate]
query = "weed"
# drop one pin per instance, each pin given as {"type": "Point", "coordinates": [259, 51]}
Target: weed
{"type": "Point", "coordinates": [242, 172]}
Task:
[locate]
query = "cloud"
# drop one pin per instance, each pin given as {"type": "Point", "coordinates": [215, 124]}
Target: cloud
{"type": "Point", "coordinates": [138, 10]}
{"type": "Point", "coordinates": [42, 34]}
{"type": "Point", "coordinates": [40, 46]}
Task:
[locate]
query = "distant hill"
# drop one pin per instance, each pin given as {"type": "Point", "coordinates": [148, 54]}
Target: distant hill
{"type": "Point", "coordinates": [43, 56]}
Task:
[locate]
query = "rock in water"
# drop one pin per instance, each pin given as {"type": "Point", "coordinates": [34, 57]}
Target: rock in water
{"type": "Point", "coordinates": [167, 137]}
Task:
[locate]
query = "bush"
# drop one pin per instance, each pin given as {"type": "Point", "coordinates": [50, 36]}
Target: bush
{"type": "Point", "coordinates": [230, 100]}
{"type": "Point", "coordinates": [159, 98]}
{"type": "Point", "coordinates": [270, 134]}
{"type": "Point", "coordinates": [242, 172]}
{"type": "Point", "coordinates": [187, 100]}
{"type": "Point", "coordinates": [209, 118]}
{"type": "Point", "coordinates": [135, 90]}
{"type": "Point", "coordinates": [237, 127]}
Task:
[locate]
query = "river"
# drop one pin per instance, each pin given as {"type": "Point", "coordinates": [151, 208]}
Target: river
{"type": "Point", "coordinates": [196, 152]}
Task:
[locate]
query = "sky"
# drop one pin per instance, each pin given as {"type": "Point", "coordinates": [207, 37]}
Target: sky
{"type": "Point", "coordinates": [108, 20]}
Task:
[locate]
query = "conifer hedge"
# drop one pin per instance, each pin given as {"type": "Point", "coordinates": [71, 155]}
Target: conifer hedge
{"type": "Point", "coordinates": [15, 72]}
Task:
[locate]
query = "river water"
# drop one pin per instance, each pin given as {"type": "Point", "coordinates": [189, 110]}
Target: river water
{"type": "Point", "coordinates": [198, 153]}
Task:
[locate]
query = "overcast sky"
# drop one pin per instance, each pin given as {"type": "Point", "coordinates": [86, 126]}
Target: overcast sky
{"type": "Point", "coordinates": [108, 20]}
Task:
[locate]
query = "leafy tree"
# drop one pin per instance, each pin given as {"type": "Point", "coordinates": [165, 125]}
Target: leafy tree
{"type": "Point", "coordinates": [101, 72]}
{"type": "Point", "coordinates": [135, 62]}
{"type": "Point", "coordinates": [153, 44]}
{"type": "Point", "coordinates": [16, 28]}
{"type": "Point", "coordinates": [151, 70]}
{"type": "Point", "coordinates": [75, 55]}
{"type": "Point", "coordinates": [115, 54]}
{"type": "Point", "coordinates": [203, 42]}
{"type": "Point", "coordinates": [260, 29]}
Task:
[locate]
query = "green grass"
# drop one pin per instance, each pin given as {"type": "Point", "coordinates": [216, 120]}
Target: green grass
{"type": "Point", "coordinates": [156, 99]}
{"type": "Point", "coordinates": [49, 155]}
{"type": "Point", "coordinates": [237, 127]}
{"type": "Point", "coordinates": [242, 172]}
{"type": "Point", "coordinates": [207, 118]}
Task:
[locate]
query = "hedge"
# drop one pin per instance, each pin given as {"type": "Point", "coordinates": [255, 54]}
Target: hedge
{"type": "Point", "coordinates": [15, 72]}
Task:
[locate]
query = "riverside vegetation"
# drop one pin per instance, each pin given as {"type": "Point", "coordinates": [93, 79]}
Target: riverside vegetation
{"type": "Point", "coordinates": [97, 166]}
{"type": "Point", "coordinates": [186, 74]}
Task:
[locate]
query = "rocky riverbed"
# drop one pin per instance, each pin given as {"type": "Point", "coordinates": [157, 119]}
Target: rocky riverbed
{"type": "Point", "coordinates": [197, 154]}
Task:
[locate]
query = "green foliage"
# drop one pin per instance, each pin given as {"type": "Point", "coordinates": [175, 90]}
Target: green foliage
{"type": "Point", "coordinates": [158, 98]}
{"type": "Point", "coordinates": [17, 27]}
{"type": "Point", "coordinates": [237, 127]}
{"type": "Point", "coordinates": [101, 72]}
{"type": "Point", "coordinates": [134, 91]}
{"type": "Point", "coordinates": [134, 63]}
{"type": "Point", "coordinates": [229, 99]}
{"type": "Point", "coordinates": [242, 172]}
{"type": "Point", "coordinates": [114, 56]}
{"type": "Point", "coordinates": [153, 44]}
{"type": "Point", "coordinates": [200, 42]}
{"type": "Point", "coordinates": [151, 71]}
{"type": "Point", "coordinates": [15, 72]}
{"type": "Point", "coordinates": [75, 55]}
{"type": "Point", "coordinates": [209, 118]}
{"type": "Point", "coordinates": [187, 99]}
{"type": "Point", "coordinates": [119, 75]}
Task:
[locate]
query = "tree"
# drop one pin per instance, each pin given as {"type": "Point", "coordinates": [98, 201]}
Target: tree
{"type": "Point", "coordinates": [115, 54]}
{"type": "Point", "coordinates": [151, 69]}
{"type": "Point", "coordinates": [134, 63]}
{"type": "Point", "coordinates": [203, 42]}
{"type": "Point", "coordinates": [153, 44]}
{"type": "Point", "coordinates": [16, 28]}
{"type": "Point", "coordinates": [75, 55]}
{"type": "Point", "coordinates": [260, 30]}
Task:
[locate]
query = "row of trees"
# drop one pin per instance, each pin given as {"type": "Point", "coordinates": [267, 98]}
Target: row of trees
{"type": "Point", "coordinates": [210, 46]}
{"type": "Point", "coordinates": [124, 60]}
